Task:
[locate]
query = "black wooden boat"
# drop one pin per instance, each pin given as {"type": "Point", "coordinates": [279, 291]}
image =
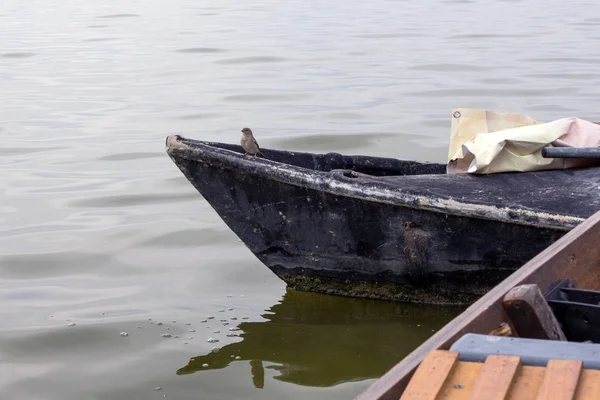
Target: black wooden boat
{"type": "Point", "coordinates": [385, 228]}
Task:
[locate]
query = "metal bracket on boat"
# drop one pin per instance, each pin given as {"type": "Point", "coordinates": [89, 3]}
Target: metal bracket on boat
{"type": "Point", "coordinates": [578, 311]}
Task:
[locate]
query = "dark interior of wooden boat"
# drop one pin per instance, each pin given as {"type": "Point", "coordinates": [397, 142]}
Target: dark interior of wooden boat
{"type": "Point", "coordinates": [375, 166]}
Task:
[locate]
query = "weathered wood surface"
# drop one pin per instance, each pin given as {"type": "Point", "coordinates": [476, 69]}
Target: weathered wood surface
{"type": "Point", "coordinates": [431, 376]}
{"type": "Point", "coordinates": [530, 313]}
{"type": "Point", "coordinates": [560, 380]}
{"type": "Point", "coordinates": [384, 224]}
{"type": "Point", "coordinates": [501, 377]}
{"type": "Point", "coordinates": [495, 378]}
{"type": "Point", "coordinates": [576, 256]}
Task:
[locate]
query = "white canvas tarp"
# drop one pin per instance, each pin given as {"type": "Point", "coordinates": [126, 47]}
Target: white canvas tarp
{"type": "Point", "coordinates": [486, 142]}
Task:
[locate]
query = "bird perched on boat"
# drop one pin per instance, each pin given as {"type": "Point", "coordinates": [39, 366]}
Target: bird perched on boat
{"type": "Point", "coordinates": [249, 143]}
{"type": "Point", "coordinates": [503, 330]}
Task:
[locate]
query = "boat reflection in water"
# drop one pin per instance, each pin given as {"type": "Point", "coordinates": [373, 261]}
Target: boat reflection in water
{"type": "Point", "coordinates": [319, 340]}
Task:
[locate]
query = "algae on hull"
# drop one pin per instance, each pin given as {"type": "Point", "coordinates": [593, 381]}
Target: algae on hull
{"type": "Point", "coordinates": [433, 294]}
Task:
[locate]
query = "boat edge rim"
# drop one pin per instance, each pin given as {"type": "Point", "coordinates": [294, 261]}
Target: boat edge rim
{"type": "Point", "coordinates": [393, 197]}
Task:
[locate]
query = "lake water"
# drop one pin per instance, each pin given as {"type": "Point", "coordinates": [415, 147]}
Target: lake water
{"type": "Point", "coordinates": [99, 229]}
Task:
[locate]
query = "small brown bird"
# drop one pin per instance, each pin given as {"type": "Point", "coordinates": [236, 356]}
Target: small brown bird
{"type": "Point", "coordinates": [250, 144]}
{"type": "Point", "coordinates": [503, 330]}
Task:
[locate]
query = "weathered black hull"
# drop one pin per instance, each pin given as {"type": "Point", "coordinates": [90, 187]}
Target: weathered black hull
{"type": "Point", "coordinates": [415, 235]}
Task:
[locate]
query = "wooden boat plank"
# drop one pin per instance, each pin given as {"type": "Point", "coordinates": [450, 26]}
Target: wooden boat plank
{"type": "Point", "coordinates": [576, 256]}
{"type": "Point", "coordinates": [527, 383]}
{"type": "Point", "coordinates": [501, 377]}
{"type": "Point", "coordinates": [431, 375]}
{"type": "Point", "coordinates": [496, 378]}
{"type": "Point", "coordinates": [561, 378]}
{"type": "Point", "coordinates": [460, 384]}
{"type": "Point", "coordinates": [589, 385]}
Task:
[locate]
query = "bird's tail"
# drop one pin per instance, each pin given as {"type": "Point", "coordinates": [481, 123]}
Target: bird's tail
{"type": "Point", "coordinates": [259, 154]}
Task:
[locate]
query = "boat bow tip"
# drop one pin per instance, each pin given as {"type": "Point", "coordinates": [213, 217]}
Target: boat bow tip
{"type": "Point", "coordinates": [173, 142]}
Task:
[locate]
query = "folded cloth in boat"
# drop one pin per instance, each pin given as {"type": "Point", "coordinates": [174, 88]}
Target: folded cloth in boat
{"type": "Point", "coordinates": [486, 142]}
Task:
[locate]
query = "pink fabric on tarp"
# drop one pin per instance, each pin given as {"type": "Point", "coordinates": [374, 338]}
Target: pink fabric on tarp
{"type": "Point", "coordinates": [519, 149]}
{"type": "Point", "coordinates": [581, 133]}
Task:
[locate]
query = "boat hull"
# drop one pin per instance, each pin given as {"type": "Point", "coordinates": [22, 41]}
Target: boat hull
{"type": "Point", "coordinates": [320, 241]}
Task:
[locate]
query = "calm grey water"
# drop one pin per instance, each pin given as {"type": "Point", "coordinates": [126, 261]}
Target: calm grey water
{"type": "Point", "coordinates": [99, 229]}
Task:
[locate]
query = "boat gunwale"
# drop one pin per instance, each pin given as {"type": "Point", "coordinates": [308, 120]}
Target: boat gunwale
{"type": "Point", "coordinates": [334, 182]}
{"type": "Point", "coordinates": [571, 257]}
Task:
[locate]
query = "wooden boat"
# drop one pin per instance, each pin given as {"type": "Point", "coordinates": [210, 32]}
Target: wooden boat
{"type": "Point", "coordinates": [384, 228]}
{"type": "Point", "coordinates": [568, 274]}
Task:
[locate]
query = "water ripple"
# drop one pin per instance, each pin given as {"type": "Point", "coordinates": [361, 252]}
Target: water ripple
{"type": "Point", "coordinates": [19, 151]}
{"type": "Point", "coordinates": [98, 39]}
{"type": "Point", "coordinates": [496, 92]}
{"type": "Point", "coordinates": [129, 156]}
{"type": "Point", "coordinates": [188, 238]}
{"type": "Point", "coordinates": [50, 264]}
{"type": "Point", "coordinates": [252, 60]}
{"type": "Point", "coordinates": [200, 116]}
{"type": "Point", "coordinates": [389, 35]}
{"type": "Point", "coordinates": [563, 60]}
{"type": "Point", "coordinates": [118, 16]}
{"type": "Point", "coordinates": [452, 67]}
{"type": "Point", "coordinates": [133, 200]}
{"type": "Point", "coordinates": [470, 36]}
{"type": "Point", "coordinates": [98, 225]}
{"type": "Point", "coordinates": [17, 55]}
{"type": "Point", "coordinates": [573, 76]}
{"type": "Point", "coordinates": [200, 50]}
{"type": "Point", "coordinates": [267, 97]}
